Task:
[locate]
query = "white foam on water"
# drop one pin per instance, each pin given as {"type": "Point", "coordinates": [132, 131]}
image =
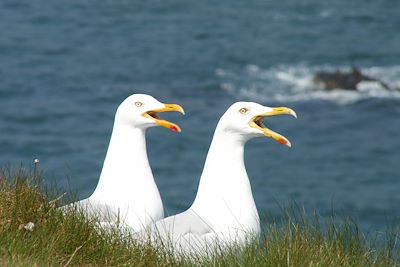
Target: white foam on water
{"type": "Point", "coordinates": [294, 83]}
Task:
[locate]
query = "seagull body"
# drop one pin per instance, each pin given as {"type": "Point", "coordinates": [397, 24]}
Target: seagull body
{"type": "Point", "coordinates": [127, 193]}
{"type": "Point", "coordinates": [223, 213]}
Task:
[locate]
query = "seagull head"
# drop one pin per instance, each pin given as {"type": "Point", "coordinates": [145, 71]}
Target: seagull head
{"type": "Point", "coordinates": [142, 111]}
{"type": "Point", "coordinates": [246, 119]}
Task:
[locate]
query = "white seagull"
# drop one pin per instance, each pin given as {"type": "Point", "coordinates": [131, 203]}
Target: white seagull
{"type": "Point", "coordinates": [126, 194]}
{"type": "Point", "coordinates": [224, 212]}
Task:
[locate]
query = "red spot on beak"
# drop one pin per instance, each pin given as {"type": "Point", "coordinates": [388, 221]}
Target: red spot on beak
{"type": "Point", "coordinates": [174, 129]}
{"type": "Point", "coordinates": [282, 141]}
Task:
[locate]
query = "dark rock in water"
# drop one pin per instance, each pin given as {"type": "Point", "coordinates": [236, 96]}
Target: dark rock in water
{"type": "Point", "coordinates": [344, 80]}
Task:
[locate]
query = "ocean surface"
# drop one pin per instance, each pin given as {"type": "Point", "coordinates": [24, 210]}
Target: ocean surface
{"type": "Point", "coordinates": [66, 65]}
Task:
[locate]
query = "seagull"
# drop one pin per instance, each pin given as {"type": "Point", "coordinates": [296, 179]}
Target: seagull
{"type": "Point", "coordinates": [223, 213]}
{"type": "Point", "coordinates": [126, 194]}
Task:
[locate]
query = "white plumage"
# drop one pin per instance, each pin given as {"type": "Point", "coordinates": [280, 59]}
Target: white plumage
{"type": "Point", "coordinates": [127, 194]}
{"type": "Point", "coordinates": [224, 212]}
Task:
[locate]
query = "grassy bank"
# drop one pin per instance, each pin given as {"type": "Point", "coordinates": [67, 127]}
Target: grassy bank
{"type": "Point", "coordinates": [34, 233]}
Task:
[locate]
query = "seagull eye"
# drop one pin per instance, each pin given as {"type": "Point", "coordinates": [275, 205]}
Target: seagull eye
{"type": "Point", "coordinates": [243, 110]}
{"type": "Point", "coordinates": [138, 104]}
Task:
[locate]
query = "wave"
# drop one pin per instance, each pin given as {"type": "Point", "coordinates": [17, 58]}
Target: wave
{"type": "Point", "coordinates": [294, 84]}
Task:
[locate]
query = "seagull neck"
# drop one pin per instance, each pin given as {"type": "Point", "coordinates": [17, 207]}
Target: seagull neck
{"type": "Point", "coordinates": [126, 155]}
{"type": "Point", "coordinates": [224, 198]}
{"type": "Point", "coordinates": [224, 174]}
{"type": "Point", "coordinates": [127, 146]}
{"type": "Point", "coordinates": [225, 149]}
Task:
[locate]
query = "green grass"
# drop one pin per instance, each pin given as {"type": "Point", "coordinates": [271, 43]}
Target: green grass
{"type": "Point", "coordinates": [72, 239]}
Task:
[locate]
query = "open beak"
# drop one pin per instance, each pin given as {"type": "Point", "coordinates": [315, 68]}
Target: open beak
{"type": "Point", "coordinates": [256, 122]}
{"type": "Point", "coordinates": [153, 115]}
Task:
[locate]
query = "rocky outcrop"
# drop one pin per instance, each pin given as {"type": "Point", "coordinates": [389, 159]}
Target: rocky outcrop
{"type": "Point", "coordinates": [344, 80]}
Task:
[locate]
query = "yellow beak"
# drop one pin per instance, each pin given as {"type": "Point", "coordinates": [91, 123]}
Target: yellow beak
{"type": "Point", "coordinates": [153, 114]}
{"type": "Point", "coordinates": [257, 123]}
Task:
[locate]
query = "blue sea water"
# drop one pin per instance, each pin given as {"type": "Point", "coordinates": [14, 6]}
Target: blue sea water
{"type": "Point", "coordinates": [66, 65]}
